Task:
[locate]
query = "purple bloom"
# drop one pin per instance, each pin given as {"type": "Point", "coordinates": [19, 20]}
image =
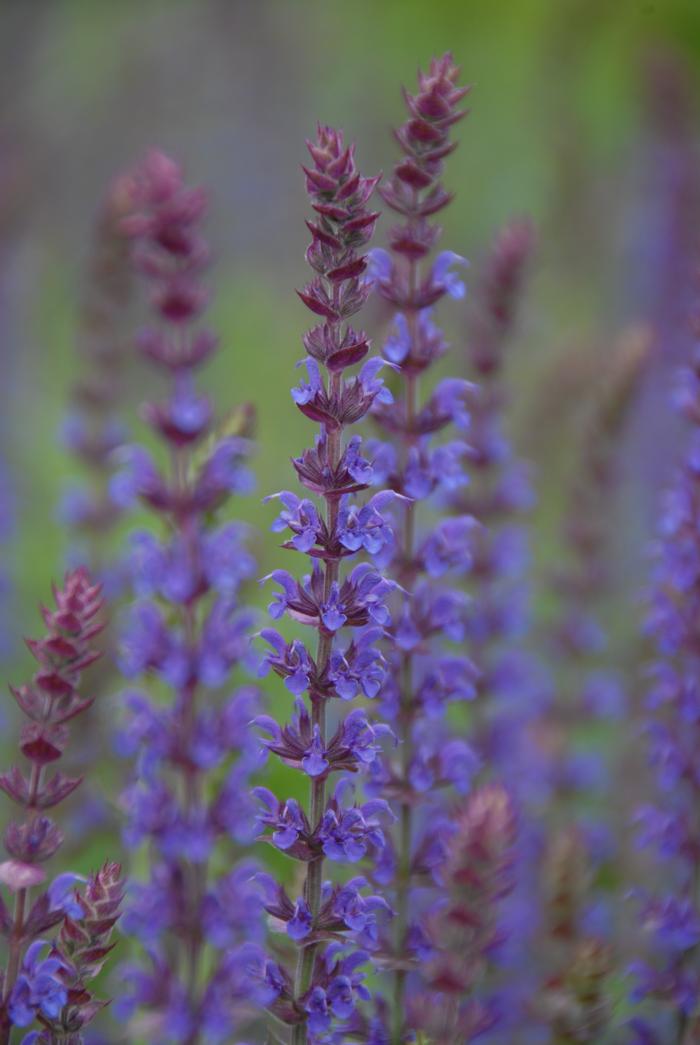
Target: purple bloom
{"type": "Point", "coordinates": [443, 276]}
{"type": "Point", "coordinates": [449, 547]}
{"type": "Point", "coordinates": [38, 988]}
{"type": "Point", "coordinates": [299, 925]}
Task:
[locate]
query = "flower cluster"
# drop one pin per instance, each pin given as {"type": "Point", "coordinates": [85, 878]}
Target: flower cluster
{"type": "Point", "coordinates": [671, 917]}
{"type": "Point", "coordinates": [187, 631]}
{"type": "Point", "coordinates": [333, 926]}
{"type": "Point", "coordinates": [77, 956]}
{"type": "Point", "coordinates": [499, 489]}
{"type": "Point", "coordinates": [37, 983]}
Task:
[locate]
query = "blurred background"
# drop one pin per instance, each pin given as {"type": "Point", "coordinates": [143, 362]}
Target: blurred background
{"type": "Point", "coordinates": [585, 116]}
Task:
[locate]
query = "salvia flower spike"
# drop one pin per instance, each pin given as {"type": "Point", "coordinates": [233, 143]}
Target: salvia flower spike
{"type": "Point", "coordinates": [37, 983]}
{"type": "Point", "coordinates": [332, 925]}
{"type": "Point", "coordinates": [509, 683]}
{"type": "Point", "coordinates": [187, 631]}
{"type": "Point", "coordinates": [425, 674]}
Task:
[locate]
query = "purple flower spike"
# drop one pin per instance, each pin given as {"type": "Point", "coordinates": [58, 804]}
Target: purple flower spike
{"type": "Point", "coordinates": [423, 675]}
{"type": "Point", "coordinates": [329, 599]}
{"type": "Point", "coordinates": [188, 631]}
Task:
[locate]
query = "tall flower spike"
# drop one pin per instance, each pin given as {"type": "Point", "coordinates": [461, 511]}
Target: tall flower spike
{"type": "Point", "coordinates": [669, 826]}
{"type": "Point", "coordinates": [498, 495]}
{"type": "Point", "coordinates": [499, 489]}
{"type": "Point", "coordinates": [327, 918]}
{"type": "Point", "coordinates": [508, 685]}
{"type": "Point", "coordinates": [187, 631]}
{"type": "Point", "coordinates": [426, 675]}
{"type": "Point", "coordinates": [94, 429]}
{"type": "Point", "coordinates": [34, 984]}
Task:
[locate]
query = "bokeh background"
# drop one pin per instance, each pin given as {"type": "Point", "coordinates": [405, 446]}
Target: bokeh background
{"type": "Point", "coordinates": [585, 116]}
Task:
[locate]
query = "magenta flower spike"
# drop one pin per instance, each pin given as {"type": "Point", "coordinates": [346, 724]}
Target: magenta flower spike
{"type": "Point", "coordinates": [39, 983]}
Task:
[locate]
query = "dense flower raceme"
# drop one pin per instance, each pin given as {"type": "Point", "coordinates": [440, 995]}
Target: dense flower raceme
{"type": "Point", "coordinates": [670, 825]}
{"type": "Point", "coordinates": [499, 492]}
{"type": "Point", "coordinates": [44, 980]}
{"type": "Point", "coordinates": [187, 631]}
{"type": "Point", "coordinates": [94, 429]}
{"type": "Point", "coordinates": [334, 926]}
{"type": "Point", "coordinates": [427, 673]}
{"type": "Point", "coordinates": [509, 684]}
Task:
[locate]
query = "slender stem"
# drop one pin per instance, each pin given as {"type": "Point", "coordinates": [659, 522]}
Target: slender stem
{"type": "Point", "coordinates": [191, 784]}
{"type": "Point", "coordinates": [314, 874]}
{"type": "Point", "coordinates": [405, 721]}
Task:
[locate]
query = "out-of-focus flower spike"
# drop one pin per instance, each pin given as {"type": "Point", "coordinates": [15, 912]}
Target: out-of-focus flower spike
{"type": "Point", "coordinates": [196, 927]}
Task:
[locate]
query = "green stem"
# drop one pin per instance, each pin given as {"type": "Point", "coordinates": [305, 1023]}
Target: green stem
{"type": "Point", "coordinates": [405, 719]}
{"type": "Point", "coordinates": [314, 873]}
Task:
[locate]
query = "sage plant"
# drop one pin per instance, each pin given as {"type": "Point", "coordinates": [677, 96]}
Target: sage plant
{"type": "Point", "coordinates": [669, 825]}
{"type": "Point", "coordinates": [333, 924]}
{"type": "Point", "coordinates": [187, 632]}
{"type": "Point", "coordinates": [498, 495]}
{"type": "Point", "coordinates": [426, 674]}
{"type": "Point", "coordinates": [38, 983]}
{"type": "Point", "coordinates": [509, 686]}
